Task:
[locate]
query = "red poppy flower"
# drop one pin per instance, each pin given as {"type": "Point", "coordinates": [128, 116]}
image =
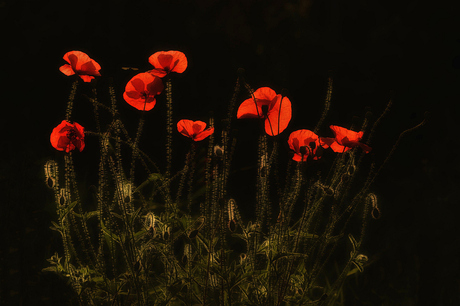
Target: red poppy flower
{"type": "Point", "coordinates": [267, 105]}
{"type": "Point", "coordinates": [141, 90]}
{"type": "Point", "coordinates": [81, 64]}
{"type": "Point", "coordinates": [166, 62]}
{"type": "Point", "coordinates": [344, 140]}
{"type": "Point", "coordinates": [304, 142]}
{"type": "Point", "coordinates": [194, 129]}
{"type": "Point", "coordinates": [68, 136]}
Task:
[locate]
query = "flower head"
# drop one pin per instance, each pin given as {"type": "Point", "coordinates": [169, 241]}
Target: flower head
{"type": "Point", "coordinates": [68, 136]}
{"type": "Point", "coordinates": [344, 140]}
{"type": "Point", "coordinates": [166, 62]}
{"type": "Point", "coordinates": [304, 143]}
{"type": "Point", "coordinates": [141, 90]}
{"type": "Point", "coordinates": [194, 129]}
{"type": "Point", "coordinates": [273, 107]}
{"type": "Point", "coordinates": [81, 64]}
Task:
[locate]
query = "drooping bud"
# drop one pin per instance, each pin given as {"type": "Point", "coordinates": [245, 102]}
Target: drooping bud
{"type": "Point", "coordinates": [375, 213]}
{"type": "Point", "coordinates": [64, 196]}
{"type": "Point", "coordinates": [51, 173]}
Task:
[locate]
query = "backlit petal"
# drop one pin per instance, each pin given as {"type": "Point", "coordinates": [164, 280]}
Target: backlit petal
{"type": "Point", "coordinates": [82, 65]}
{"type": "Point", "coordinates": [67, 69]}
{"type": "Point", "coordinates": [248, 109]}
{"type": "Point", "coordinates": [272, 125]}
{"type": "Point", "coordinates": [266, 95]}
{"type": "Point", "coordinates": [185, 127]}
{"type": "Point", "coordinates": [169, 61]}
{"type": "Point", "coordinates": [86, 78]}
{"type": "Point", "coordinates": [204, 134]}
{"type": "Point", "coordinates": [326, 142]}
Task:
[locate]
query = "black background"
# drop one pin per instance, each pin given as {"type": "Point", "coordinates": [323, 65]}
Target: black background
{"type": "Point", "coordinates": [409, 48]}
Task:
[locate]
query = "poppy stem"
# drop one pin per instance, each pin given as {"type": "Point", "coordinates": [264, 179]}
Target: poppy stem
{"type": "Point", "coordinates": [169, 124]}
{"type": "Point", "coordinates": [327, 103]}
{"type": "Point", "coordinates": [73, 91]}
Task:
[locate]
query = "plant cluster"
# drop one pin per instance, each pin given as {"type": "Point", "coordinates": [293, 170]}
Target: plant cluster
{"type": "Point", "coordinates": [155, 237]}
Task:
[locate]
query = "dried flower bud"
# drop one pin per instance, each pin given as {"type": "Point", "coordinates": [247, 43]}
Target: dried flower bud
{"type": "Point", "coordinates": [361, 258]}
{"type": "Point", "coordinates": [218, 151]}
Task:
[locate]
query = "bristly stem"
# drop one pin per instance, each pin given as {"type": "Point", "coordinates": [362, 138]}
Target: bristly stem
{"type": "Point", "coordinates": [327, 104]}
{"type": "Point", "coordinates": [169, 127]}
{"type": "Point", "coordinates": [73, 91]}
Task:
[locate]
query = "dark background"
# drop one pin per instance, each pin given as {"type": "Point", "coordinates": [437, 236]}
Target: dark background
{"type": "Point", "coordinates": [409, 48]}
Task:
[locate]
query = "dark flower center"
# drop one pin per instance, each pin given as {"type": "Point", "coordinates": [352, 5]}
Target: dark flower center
{"type": "Point", "coordinates": [72, 135]}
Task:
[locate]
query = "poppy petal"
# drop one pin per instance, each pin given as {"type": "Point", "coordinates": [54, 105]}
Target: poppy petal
{"type": "Point", "coordinates": [301, 138]}
{"type": "Point", "coordinates": [185, 127]}
{"type": "Point", "coordinates": [67, 69]}
{"type": "Point", "coordinates": [326, 142]}
{"type": "Point", "coordinates": [90, 68]}
{"type": "Point", "coordinates": [86, 78]}
{"type": "Point", "coordinates": [204, 134]}
{"type": "Point", "coordinates": [140, 104]}
{"type": "Point", "coordinates": [336, 147]}
{"type": "Point", "coordinates": [365, 147]}
{"type": "Point", "coordinates": [198, 127]}
{"type": "Point", "coordinates": [61, 141]}
{"type": "Point", "coordinates": [156, 86]}
{"type": "Point", "coordinates": [140, 91]}
{"type": "Point", "coordinates": [169, 61]}
{"type": "Point", "coordinates": [272, 126]}
{"type": "Point", "coordinates": [248, 109]}
{"type": "Point", "coordinates": [81, 64]}
{"type": "Point", "coordinates": [265, 94]}
{"type": "Point", "coordinates": [158, 72]}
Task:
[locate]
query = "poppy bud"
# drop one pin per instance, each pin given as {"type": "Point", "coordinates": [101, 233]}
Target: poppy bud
{"type": "Point", "coordinates": [345, 177]}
